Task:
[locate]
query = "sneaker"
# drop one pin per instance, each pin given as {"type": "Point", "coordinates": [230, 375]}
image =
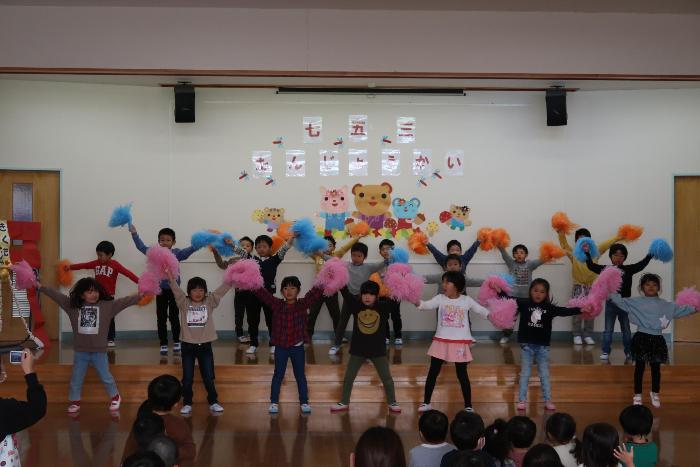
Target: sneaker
{"type": "Point", "coordinates": [522, 405]}
{"type": "Point", "coordinates": [305, 408]}
{"type": "Point", "coordinates": [549, 405]}
{"type": "Point", "coordinates": [115, 403]}
{"type": "Point", "coordinates": [469, 409]}
{"type": "Point", "coordinates": [216, 407]}
{"type": "Point", "coordinates": [339, 407]}
{"type": "Point", "coordinates": [111, 344]}
{"type": "Point", "coordinates": [164, 350]}
{"type": "Point", "coordinates": [243, 339]}
{"type": "Point", "coordinates": [273, 408]}
{"type": "Point", "coordinates": [395, 408]}
{"type": "Point", "coordinates": [74, 407]}
{"type": "Point", "coordinates": [655, 400]}
{"type": "Point", "coordinates": [424, 407]}
{"type": "Point", "coordinates": [504, 340]}
{"type": "Point", "coordinates": [588, 340]}
{"type": "Point", "coordinates": [272, 350]}
{"type": "Point", "coordinates": [333, 350]}
{"type": "Point", "coordinates": [176, 347]}
{"type": "Point", "coordinates": [251, 350]}
{"type": "Point", "coordinates": [605, 356]}
{"type": "Point", "coordinates": [637, 399]}
{"type": "Point", "coordinates": [578, 340]}
{"type": "Point", "coordinates": [398, 341]}
{"type": "Point", "coordinates": [186, 410]}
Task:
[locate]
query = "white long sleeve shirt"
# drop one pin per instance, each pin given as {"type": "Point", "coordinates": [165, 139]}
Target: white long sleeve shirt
{"type": "Point", "coordinates": [453, 316]}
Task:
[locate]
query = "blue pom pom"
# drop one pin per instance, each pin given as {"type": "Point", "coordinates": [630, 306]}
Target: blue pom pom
{"type": "Point", "coordinates": [203, 238]}
{"type": "Point", "coordinates": [307, 241]}
{"type": "Point", "coordinates": [121, 216]}
{"type": "Point", "coordinates": [507, 277]}
{"type": "Point", "coordinates": [580, 255]}
{"type": "Point", "coordinates": [398, 255]}
{"type": "Point", "coordinates": [224, 244]}
{"type": "Point", "coordinates": [660, 249]}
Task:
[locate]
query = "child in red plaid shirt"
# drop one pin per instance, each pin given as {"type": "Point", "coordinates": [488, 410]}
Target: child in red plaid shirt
{"type": "Point", "coordinates": [289, 333]}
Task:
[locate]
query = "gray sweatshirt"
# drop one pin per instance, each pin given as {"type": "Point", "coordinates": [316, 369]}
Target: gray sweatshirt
{"type": "Point", "coordinates": [521, 272]}
{"type": "Point", "coordinates": [651, 314]}
{"type": "Point", "coordinates": [360, 273]}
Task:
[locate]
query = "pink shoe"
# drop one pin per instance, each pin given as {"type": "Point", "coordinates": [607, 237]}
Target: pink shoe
{"type": "Point", "coordinates": [394, 408]}
{"type": "Point", "coordinates": [74, 407]}
{"type": "Point", "coordinates": [522, 405]}
{"type": "Point", "coordinates": [655, 399]}
{"type": "Point", "coordinates": [115, 403]}
{"type": "Point", "coordinates": [549, 405]}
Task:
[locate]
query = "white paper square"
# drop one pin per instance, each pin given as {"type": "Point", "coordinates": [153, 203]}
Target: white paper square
{"type": "Point", "coordinates": [296, 163]}
{"type": "Point", "coordinates": [262, 164]}
{"type": "Point", "coordinates": [391, 162]}
{"type": "Point", "coordinates": [329, 162]}
{"type": "Point", "coordinates": [357, 162]}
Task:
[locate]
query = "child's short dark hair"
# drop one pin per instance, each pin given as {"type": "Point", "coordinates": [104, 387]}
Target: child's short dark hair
{"type": "Point", "coordinates": [386, 242]}
{"type": "Point", "coordinates": [452, 243]}
{"type": "Point", "coordinates": [163, 393]}
{"type": "Point", "coordinates": [433, 425]}
{"type": "Point", "coordinates": [83, 285]}
{"type": "Point", "coordinates": [361, 247]}
{"type": "Point", "coordinates": [649, 277]}
{"type": "Point", "coordinates": [369, 287]}
{"type": "Point", "coordinates": [105, 247]}
{"type": "Point", "coordinates": [617, 247]}
{"type": "Point", "coordinates": [497, 444]}
{"type": "Point", "coordinates": [453, 257]}
{"type": "Point", "coordinates": [582, 232]}
{"type": "Point", "coordinates": [561, 429]}
{"type": "Point", "coordinates": [599, 442]}
{"type": "Point", "coordinates": [246, 239]}
{"type": "Point", "coordinates": [291, 280]}
{"type": "Point", "coordinates": [521, 431]}
{"type": "Point", "coordinates": [520, 246]}
{"type": "Point", "coordinates": [636, 420]}
{"type": "Point", "coordinates": [263, 239]}
{"type": "Point", "coordinates": [379, 445]}
{"type": "Point", "coordinates": [466, 429]}
{"type": "Point", "coordinates": [166, 231]}
{"type": "Point", "coordinates": [329, 238]}
{"type": "Point", "coordinates": [146, 427]}
{"type": "Point", "coordinates": [196, 283]}
{"type": "Point", "coordinates": [144, 459]}
{"type": "Point", "coordinates": [166, 448]}
{"type": "Point", "coordinates": [456, 278]}
{"type": "Point", "coordinates": [542, 455]}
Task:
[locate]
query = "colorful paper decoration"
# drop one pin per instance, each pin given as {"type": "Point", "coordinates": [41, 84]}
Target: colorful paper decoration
{"type": "Point", "coordinates": [406, 130]}
{"type": "Point", "coordinates": [244, 176]}
{"type": "Point", "coordinates": [296, 163]}
{"type": "Point", "coordinates": [338, 143]}
{"type": "Point", "coordinates": [329, 162]}
{"type": "Point", "coordinates": [357, 128]}
{"type": "Point", "coordinates": [262, 164]}
{"type": "Point", "coordinates": [422, 162]}
{"type": "Point", "coordinates": [312, 130]}
{"type": "Point", "coordinates": [357, 162]}
{"type": "Point", "coordinates": [391, 162]}
{"type": "Point", "coordinates": [279, 141]}
{"type": "Point", "coordinates": [454, 162]}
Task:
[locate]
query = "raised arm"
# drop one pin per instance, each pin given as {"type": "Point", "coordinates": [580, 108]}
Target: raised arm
{"type": "Point", "coordinates": [564, 244]}
{"type": "Point", "coordinates": [469, 254]}
{"type": "Point", "coordinates": [218, 294]}
{"type": "Point", "coordinates": [219, 260]}
{"type": "Point", "coordinates": [185, 253]}
{"type": "Point", "coordinates": [437, 254]}
{"type": "Point", "coordinates": [312, 296]}
{"type": "Point", "coordinates": [125, 302]}
{"type": "Point", "coordinates": [506, 258]}
{"type": "Point", "coordinates": [639, 266]}
{"type": "Point", "coordinates": [267, 298]}
{"type": "Point", "coordinates": [137, 240]}
{"type": "Point", "coordinates": [340, 252]}
{"type": "Point", "coordinates": [596, 268]}
{"type": "Point", "coordinates": [60, 298]}
{"type": "Point", "coordinates": [605, 245]}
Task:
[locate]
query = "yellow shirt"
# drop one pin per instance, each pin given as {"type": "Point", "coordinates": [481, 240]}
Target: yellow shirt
{"type": "Point", "coordinates": [579, 271]}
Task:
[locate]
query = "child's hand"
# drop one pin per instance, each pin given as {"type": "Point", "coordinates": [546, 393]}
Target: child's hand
{"type": "Point", "coordinates": [132, 228]}
{"type": "Point", "coordinates": [586, 310]}
{"type": "Point", "coordinates": [496, 288]}
{"type": "Point", "coordinates": [624, 456]}
{"type": "Point", "coordinates": [586, 248]}
{"type": "Point", "coordinates": [27, 361]}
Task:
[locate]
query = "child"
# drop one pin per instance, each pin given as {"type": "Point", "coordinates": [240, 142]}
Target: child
{"type": "Point", "coordinates": [378, 446]}
{"type": "Point", "coordinates": [289, 333]}
{"type": "Point", "coordinates": [601, 447]}
{"type": "Point", "coordinates": [454, 247]}
{"type": "Point", "coordinates": [432, 429]}
{"type": "Point", "coordinates": [636, 422]}
{"type": "Point", "coordinates": [244, 298]}
{"type": "Point", "coordinates": [394, 307]}
{"type": "Point", "coordinates": [359, 273]}
{"type": "Point", "coordinates": [89, 314]}
{"type": "Point", "coordinates": [521, 269]}
{"type": "Point", "coordinates": [106, 272]}
{"type": "Point", "coordinates": [535, 335]}
{"type": "Point", "coordinates": [367, 342]}
{"type": "Point", "coordinates": [583, 279]}
{"type": "Point", "coordinates": [198, 333]}
{"type": "Point", "coordinates": [652, 315]}
{"type": "Point", "coordinates": [521, 434]}
{"type": "Point", "coordinates": [618, 255]}
{"type": "Point", "coordinates": [166, 308]}
{"type": "Point", "coordinates": [496, 443]}
{"type": "Point", "coordinates": [541, 455]}
{"type": "Point", "coordinates": [560, 433]}
{"type": "Point", "coordinates": [452, 337]}
{"type": "Point", "coordinates": [467, 433]}
{"type": "Point", "coordinates": [453, 262]}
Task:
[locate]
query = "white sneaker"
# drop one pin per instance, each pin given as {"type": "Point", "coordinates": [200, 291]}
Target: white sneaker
{"type": "Point", "coordinates": [333, 350]}
{"type": "Point", "coordinates": [251, 350]}
{"type": "Point", "coordinates": [186, 410]}
{"type": "Point", "coordinates": [386, 341]}
{"type": "Point", "coordinates": [116, 402]}
{"type": "Point", "coordinates": [504, 340]}
{"type": "Point", "coordinates": [273, 408]}
{"type": "Point", "coordinates": [111, 344]}
{"type": "Point", "coordinates": [177, 347]}
{"type": "Point", "coordinates": [164, 350]}
{"type": "Point", "coordinates": [589, 341]}
{"type": "Point", "coordinates": [216, 408]}
{"type": "Point", "coordinates": [578, 340]}
{"type": "Point", "coordinates": [424, 407]}
{"type": "Point", "coordinates": [604, 356]}
{"type": "Point", "coordinates": [637, 399]}
{"type": "Point", "coordinates": [243, 339]}
{"type": "Point", "coordinates": [272, 350]}
{"type": "Point", "coordinates": [655, 400]}
{"type": "Point", "coordinates": [398, 341]}
{"type": "Point", "coordinates": [305, 408]}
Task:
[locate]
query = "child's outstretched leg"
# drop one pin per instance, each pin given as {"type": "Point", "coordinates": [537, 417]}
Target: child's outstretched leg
{"type": "Point", "coordinates": [433, 373]}
{"type": "Point", "coordinates": [655, 383]}
{"type": "Point", "coordinates": [296, 354]}
{"type": "Point", "coordinates": [81, 360]}
{"type": "Point", "coordinates": [526, 357]}
{"type": "Point", "coordinates": [253, 324]}
{"type": "Point", "coordinates": [381, 364]}
{"type": "Point", "coordinates": [542, 358]}
{"type": "Point", "coordinates": [463, 378]}
{"type": "Point", "coordinates": [351, 370]}
{"type": "Point", "coordinates": [101, 364]}
{"type": "Point", "coordinates": [638, 378]}
{"type": "Point", "coordinates": [281, 356]}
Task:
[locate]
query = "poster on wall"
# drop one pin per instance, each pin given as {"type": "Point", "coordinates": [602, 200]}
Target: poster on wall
{"type": "Point", "coordinates": [357, 128]}
{"type": "Point", "coordinates": [391, 162]}
{"type": "Point", "coordinates": [406, 129]}
{"type": "Point", "coordinates": [454, 162]}
{"type": "Point", "coordinates": [296, 163]}
{"type": "Point", "coordinates": [329, 162]}
{"type": "Point", "coordinates": [313, 130]}
{"type": "Point", "coordinates": [422, 162]}
{"type": "Point", "coordinates": [357, 162]}
{"type": "Point", "coordinates": [262, 164]}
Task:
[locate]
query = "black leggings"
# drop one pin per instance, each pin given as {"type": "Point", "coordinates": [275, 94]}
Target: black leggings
{"type": "Point", "coordinates": [639, 376]}
{"type": "Point", "coordinates": [462, 376]}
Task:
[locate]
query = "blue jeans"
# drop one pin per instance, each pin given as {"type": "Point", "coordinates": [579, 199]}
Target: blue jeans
{"type": "Point", "coordinates": [540, 354]}
{"type": "Point", "coordinates": [296, 354]}
{"type": "Point", "coordinates": [611, 312]}
{"type": "Point", "coordinates": [205, 356]}
{"type": "Point", "coordinates": [81, 361]}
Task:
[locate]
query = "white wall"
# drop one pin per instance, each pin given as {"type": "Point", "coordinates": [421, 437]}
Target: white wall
{"type": "Point", "coordinates": [614, 163]}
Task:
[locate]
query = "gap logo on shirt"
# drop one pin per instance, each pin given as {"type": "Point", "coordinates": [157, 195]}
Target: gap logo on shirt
{"type": "Point", "coordinates": [452, 316]}
{"type": "Point", "coordinates": [197, 316]}
{"type": "Point", "coordinates": [104, 270]}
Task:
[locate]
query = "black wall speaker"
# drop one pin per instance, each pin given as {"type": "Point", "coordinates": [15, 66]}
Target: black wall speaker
{"type": "Point", "coordinates": [184, 103]}
{"type": "Point", "coordinates": [556, 107]}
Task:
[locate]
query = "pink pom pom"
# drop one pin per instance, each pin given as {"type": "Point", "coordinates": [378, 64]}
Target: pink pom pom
{"type": "Point", "coordinates": [689, 296]}
{"type": "Point", "coordinates": [502, 312]}
{"type": "Point", "coordinates": [403, 285]}
{"type": "Point", "coordinates": [245, 275]}
{"type": "Point", "coordinates": [24, 275]}
{"type": "Point", "coordinates": [333, 276]}
{"type": "Point", "coordinates": [149, 283]}
{"type": "Point", "coordinates": [159, 260]}
{"type": "Point", "coordinates": [608, 282]}
{"type": "Point", "coordinates": [487, 290]}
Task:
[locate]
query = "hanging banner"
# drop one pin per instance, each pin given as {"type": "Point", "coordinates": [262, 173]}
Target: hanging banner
{"type": "Point", "coordinates": [329, 163]}
{"type": "Point", "coordinates": [296, 163]}
{"type": "Point", "coordinates": [357, 162]}
{"type": "Point", "coordinates": [357, 128]}
{"type": "Point", "coordinates": [406, 130]}
{"type": "Point", "coordinates": [422, 162]}
{"type": "Point", "coordinates": [312, 130]}
{"type": "Point", "coordinates": [262, 164]}
{"type": "Point", "coordinates": [391, 162]}
{"type": "Point", "coordinates": [454, 162]}
{"type": "Point", "coordinates": [20, 303]}
{"type": "Point", "coordinates": [5, 243]}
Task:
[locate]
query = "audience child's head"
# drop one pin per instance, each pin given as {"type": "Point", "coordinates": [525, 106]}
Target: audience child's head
{"type": "Point", "coordinates": [453, 283]}
{"type": "Point", "coordinates": [467, 431]}
{"type": "Point", "coordinates": [385, 247]}
{"type": "Point", "coordinates": [358, 253]}
{"type": "Point", "coordinates": [650, 285]}
{"type": "Point", "coordinates": [636, 421]}
{"type": "Point", "coordinates": [521, 432]}
{"type": "Point", "coordinates": [143, 459]}
{"type": "Point", "coordinates": [197, 289]}
{"type": "Point", "coordinates": [290, 288]}
{"type": "Point", "coordinates": [369, 290]}
{"type": "Point", "coordinates": [468, 459]}
{"type": "Point", "coordinates": [454, 247]}
{"type": "Point", "coordinates": [166, 237]}
{"type": "Point", "coordinates": [165, 448]}
{"type": "Point", "coordinates": [617, 253]}
{"type": "Point", "coordinates": [582, 232]}
{"type": "Point", "coordinates": [496, 436]}
{"type": "Point", "coordinates": [86, 291]}
{"type": "Point", "coordinates": [246, 243]}
{"type": "Point", "coordinates": [598, 445]}
{"type": "Point", "coordinates": [378, 447]}
{"type": "Point", "coordinates": [146, 427]}
{"type": "Point", "coordinates": [542, 455]}
{"type": "Point", "coordinates": [105, 251]}
{"type": "Point", "coordinates": [561, 430]}
{"type": "Point", "coordinates": [539, 291]}
{"type": "Point", "coordinates": [432, 427]}
{"type": "Point", "coordinates": [453, 263]}
{"type": "Point", "coordinates": [520, 253]}
{"type": "Point", "coordinates": [263, 246]}
{"type": "Point", "coordinates": [331, 244]}
{"type": "Point", "coordinates": [164, 392]}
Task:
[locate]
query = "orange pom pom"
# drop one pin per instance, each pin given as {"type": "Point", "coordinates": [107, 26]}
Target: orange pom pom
{"type": "Point", "coordinates": [64, 275]}
{"type": "Point", "coordinates": [277, 243]}
{"type": "Point", "coordinates": [500, 238]}
{"type": "Point", "coordinates": [550, 251]}
{"type": "Point", "coordinates": [418, 242]}
{"type": "Point", "coordinates": [359, 229]}
{"type": "Point", "coordinates": [562, 223]}
{"type": "Point", "coordinates": [484, 235]}
{"type": "Point", "coordinates": [630, 232]}
{"type": "Point", "coordinates": [284, 232]}
{"type": "Point", "coordinates": [145, 300]}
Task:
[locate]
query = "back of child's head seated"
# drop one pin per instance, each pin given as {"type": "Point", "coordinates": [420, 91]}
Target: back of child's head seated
{"type": "Point", "coordinates": [165, 448]}
{"type": "Point", "coordinates": [582, 232]}
{"type": "Point", "coordinates": [164, 392]}
{"type": "Point", "coordinates": [636, 420]}
{"type": "Point", "coordinates": [496, 436]}
{"type": "Point", "coordinates": [290, 281]}
{"type": "Point", "coordinates": [83, 285]}
{"type": "Point", "coordinates": [468, 459]}
{"type": "Point", "coordinates": [542, 455]}
{"type": "Point", "coordinates": [560, 428]}
{"type": "Point", "coordinates": [105, 247]}
{"type": "Point", "coordinates": [359, 247]}
{"type": "Point", "coordinates": [453, 262]}
{"type": "Point", "coordinates": [433, 426]}
{"type": "Point", "coordinates": [146, 427]}
{"type": "Point", "coordinates": [455, 278]}
{"type": "Point", "coordinates": [466, 430]}
{"type": "Point", "coordinates": [196, 283]}
{"type": "Point", "coordinates": [167, 232]}
{"type": "Point", "coordinates": [379, 447]}
{"type": "Point", "coordinates": [598, 445]}
{"type": "Point", "coordinates": [521, 432]}
{"type": "Point", "coordinates": [144, 459]}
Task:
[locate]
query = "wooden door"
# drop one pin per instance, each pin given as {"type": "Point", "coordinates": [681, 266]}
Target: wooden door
{"type": "Point", "coordinates": [33, 196]}
{"type": "Point", "coordinates": [687, 245]}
